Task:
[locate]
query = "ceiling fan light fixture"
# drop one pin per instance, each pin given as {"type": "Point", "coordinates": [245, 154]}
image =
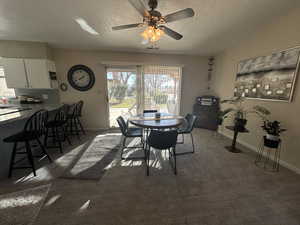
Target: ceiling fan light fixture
{"type": "Point", "coordinates": [152, 34]}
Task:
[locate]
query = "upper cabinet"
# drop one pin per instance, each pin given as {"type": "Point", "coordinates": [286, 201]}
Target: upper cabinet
{"type": "Point", "coordinates": [30, 73]}
{"type": "Point", "coordinates": [15, 74]}
{"type": "Point", "coordinates": [37, 73]}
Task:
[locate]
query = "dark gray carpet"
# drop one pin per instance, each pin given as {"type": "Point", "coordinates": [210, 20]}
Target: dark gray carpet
{"type": "Point", "coordinates": [21, 208]}
{"type": "Point", "coordinates": [95, 157]}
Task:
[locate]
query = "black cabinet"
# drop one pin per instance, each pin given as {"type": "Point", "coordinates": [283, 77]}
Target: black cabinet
{"type": "Point", "coordinates": [206, 109]}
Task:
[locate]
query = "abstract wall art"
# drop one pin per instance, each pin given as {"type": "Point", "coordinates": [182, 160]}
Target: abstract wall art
{"type": "Point", "coordinates": [270, 77]}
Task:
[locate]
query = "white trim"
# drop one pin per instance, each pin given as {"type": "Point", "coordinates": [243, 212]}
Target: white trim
{"type": "Point", "coordinates": [124, 63]}
{"type": "Point", "coordinates": [252, 148]}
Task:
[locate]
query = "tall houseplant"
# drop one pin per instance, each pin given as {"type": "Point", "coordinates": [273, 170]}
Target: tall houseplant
{"type": "Point", "coordinates": [241, 112]}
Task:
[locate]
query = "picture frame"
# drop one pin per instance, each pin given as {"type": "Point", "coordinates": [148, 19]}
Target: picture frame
{"type": "Point", "coordinates": [271, 77]}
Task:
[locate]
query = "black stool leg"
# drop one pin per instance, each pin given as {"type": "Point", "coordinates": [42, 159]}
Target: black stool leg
{"type": "Point", "coordinates": [58, 139]}
{"type": "Point", "coordinates": [12, 160]}
{"type": "Point", "coordinates": [43, 149]}
{"type": "Point", "coordinates": [30, 157]}
{"type": "Point", "coordinates": [46, 138]}
{"type": "Point", "coordinates": [66, 136]}
{"type": "Point", "coordinates": [76, 128]}
{"type": "Point", "coordinates": [80, 125]}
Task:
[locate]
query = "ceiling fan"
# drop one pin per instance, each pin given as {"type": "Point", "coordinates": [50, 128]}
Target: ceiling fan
{"type": "Point", "coordinates": [154, 21]}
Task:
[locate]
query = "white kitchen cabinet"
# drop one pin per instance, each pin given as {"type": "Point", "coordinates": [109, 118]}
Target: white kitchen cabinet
{"type": "Point", "coordinates": [15, 74]}
{"type": "Point", "coordinates": [30, 73]}
{"type": "Point", "coordinates": [37, 73]}
{"type": "Point", "coordinates": [51, 66]}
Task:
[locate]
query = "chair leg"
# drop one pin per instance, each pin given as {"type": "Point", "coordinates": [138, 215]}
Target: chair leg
{"type": "Point", "coordinates": [58, 139]}
{"type": "Point", "coordinates": [46, 138]}
{"type": "Point", "coordinates": [123, 147]}
{"type": "Point", "coordinates": [76, 128]}
{"type": "Point", "coordinates": [80, 125]}
{"type": "Point", "coordinates": [66, 136]}
{"type": "Point", "coordinates": [30, 157]}
{"type": "Point", "coordinates": [175, 165]}
{"type": "Point", "coordinates": [43, 149]}
{"type": "Point", "coordinates": [12, 160]}
{"type": "Point", "coordinates": [148, 161]}
{"type": "Point", "coordinates": [193, 142]}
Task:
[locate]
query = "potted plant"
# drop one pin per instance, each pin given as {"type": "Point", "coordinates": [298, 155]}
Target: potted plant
{"type": "Point", "coordinates": [273, 130]}
{"type": "Point", "coordinates": [241, 112]}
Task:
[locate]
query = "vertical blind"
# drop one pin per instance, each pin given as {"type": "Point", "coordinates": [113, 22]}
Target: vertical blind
{"type": "Point", "coordinates": [162, 88]}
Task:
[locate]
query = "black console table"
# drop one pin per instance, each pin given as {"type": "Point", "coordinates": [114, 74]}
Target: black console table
{"type": "Point", "coordinates": [236, 131]}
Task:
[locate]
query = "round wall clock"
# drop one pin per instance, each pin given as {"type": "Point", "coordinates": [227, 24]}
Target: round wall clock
{"type": "Point", "coordinates": [81, 77]}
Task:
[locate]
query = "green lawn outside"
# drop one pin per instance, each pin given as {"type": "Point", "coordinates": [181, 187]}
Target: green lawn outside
{"type": "Point", "coordinates": [127, 103]}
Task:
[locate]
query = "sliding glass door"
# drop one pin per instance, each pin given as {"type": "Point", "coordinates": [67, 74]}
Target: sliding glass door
{"type": "Point", "coordinates": [121, 94]}
{"type": "Point", "coordinates": [131, 90]}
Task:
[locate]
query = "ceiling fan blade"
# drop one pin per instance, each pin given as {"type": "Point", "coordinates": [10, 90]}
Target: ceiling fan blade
{"type": "Point", "coordinates": [171, 33]}
{"type": "Point", "coordinates": [140, 7]}
{"type": "Point", "coordinates": [179, 15]}
{"type": "Point", "coordinates": [128, 26]}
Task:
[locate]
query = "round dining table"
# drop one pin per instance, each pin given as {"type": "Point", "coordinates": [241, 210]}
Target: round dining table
{"type": "Point", "coordinates": [148, 121]}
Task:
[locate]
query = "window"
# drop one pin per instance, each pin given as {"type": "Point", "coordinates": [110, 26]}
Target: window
{"type": "Point", "coordinates": [4, 90]}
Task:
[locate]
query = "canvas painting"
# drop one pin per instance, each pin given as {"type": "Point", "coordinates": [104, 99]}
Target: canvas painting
{"type": "Point", "coordinates": [268, 77]}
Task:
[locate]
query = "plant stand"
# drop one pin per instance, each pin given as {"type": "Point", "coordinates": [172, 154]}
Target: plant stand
{"type": "Point", "coordinates": [236, 131]}
{"type": "Point", "coordinates": [270, 145]}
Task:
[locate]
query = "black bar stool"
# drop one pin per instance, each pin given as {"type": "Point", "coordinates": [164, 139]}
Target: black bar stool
{"type": "Point", "coordinates": [33, 130]}
{"type": "Point", "coordinates": [58, 128]}
{"type": "Point", "coordinates": [79, 107]}
{"type": "Point", "coordinates": [74, 122]}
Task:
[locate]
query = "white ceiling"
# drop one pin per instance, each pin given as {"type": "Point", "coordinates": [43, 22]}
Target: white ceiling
{"type": "Point", "coordinates": [216, 25]}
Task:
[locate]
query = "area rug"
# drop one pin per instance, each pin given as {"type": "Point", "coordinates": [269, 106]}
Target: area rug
{"type": "Point", "coordinates": [22, 208]}
{"type": "Point", "coordinates": [95, 158]}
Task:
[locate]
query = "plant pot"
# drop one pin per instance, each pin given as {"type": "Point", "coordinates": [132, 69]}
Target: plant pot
{"type": "Point", "coordinates": [271, 143]}
{"type": "Point", "coordinates": [272, 137]}
{"type": "Point", "coordinates": [240, 123]}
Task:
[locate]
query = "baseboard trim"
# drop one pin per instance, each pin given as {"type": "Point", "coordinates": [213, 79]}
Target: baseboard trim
{"type": "Point", "coordinates": [95, 129]}
{"type": "Point", "coordinates": [253, 148]}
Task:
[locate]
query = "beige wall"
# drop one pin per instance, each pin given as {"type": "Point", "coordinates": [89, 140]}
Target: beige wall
{"type": "Point", "coordinates": [95, 111]}
{"type": "Point", "coordinates": [24, 49]}
{"type": "Point", "coordinates": [281, 34]}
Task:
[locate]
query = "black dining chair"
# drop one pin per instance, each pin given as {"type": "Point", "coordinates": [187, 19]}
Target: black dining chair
{"type": "Point", "coordinates": [58, 128]}
{"type": "Point", "coordinates": [33, 130]}
{"type": "Point", "coordinates": [162, 140]}
{"type": "Point", "coordinates": [187, 128]}
{"type": "Point", "coordinates": [150, 111]}
{"type": "Point", "coordinates": [130, 132]}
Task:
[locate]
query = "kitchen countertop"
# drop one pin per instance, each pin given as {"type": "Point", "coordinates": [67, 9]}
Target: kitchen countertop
{"type": "Point", "coordinates": [16, 116]}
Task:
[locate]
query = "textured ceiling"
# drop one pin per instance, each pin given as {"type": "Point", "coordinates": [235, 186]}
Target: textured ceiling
{"type": "Point", "coordinates": [217, 23]}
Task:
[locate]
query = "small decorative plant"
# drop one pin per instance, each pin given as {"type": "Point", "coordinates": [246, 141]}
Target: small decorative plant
{"type": "Point", "coordinates": [241, 112]}
{"type": "Point", "coordinates": [272, 129]}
